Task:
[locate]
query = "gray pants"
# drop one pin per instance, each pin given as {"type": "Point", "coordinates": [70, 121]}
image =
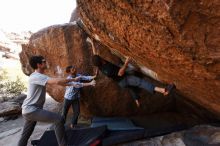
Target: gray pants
{"type": "Point", "coordinates": [42, 116]}
{"type": "Point", "coordinates": [133, 82]}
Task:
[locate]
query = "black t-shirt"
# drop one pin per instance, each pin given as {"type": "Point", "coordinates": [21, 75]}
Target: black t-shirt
{"type": "Point", "coordinates": [110, 70]}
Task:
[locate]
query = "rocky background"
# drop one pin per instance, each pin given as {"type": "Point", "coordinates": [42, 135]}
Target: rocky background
{"type": "Point", "coordinates": [10, 43]}
{"type": "Point", "coordinates": [10, 46]}
{"type": "Point", "coordinates": [168, 41]}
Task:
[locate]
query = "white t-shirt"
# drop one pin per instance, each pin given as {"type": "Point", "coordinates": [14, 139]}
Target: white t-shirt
{"type": "Point", "coordinates": [36, 93]}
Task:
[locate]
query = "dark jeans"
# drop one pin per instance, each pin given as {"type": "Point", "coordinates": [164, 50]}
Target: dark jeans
{"type": "Point", "coordinates": [132, 83]}
{"type": "Point", "coordinates": [76, 109]}
{"type": "Point", "coordinates": [42, 116]}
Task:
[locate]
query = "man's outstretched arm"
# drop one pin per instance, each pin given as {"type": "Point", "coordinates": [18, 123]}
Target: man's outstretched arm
{"type": "Point", "coordinates": [80, 85]}
{"type": "Point", "coordinates": [61, 81]}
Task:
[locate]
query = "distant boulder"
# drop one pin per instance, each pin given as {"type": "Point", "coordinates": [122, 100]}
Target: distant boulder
{"type": "Point", "coordinates": [9, 109]}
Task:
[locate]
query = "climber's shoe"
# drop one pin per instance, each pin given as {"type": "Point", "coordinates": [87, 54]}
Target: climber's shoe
{"type": "Point", "coordinates": [169, 88]}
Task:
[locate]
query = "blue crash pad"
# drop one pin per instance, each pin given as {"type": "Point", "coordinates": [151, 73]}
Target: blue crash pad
{"type": "Point", "coordinates": [115, 123]}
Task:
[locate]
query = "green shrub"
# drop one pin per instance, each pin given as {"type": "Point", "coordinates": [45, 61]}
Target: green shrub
{"type": "Point", "coordinates": [9, 87]}
{"type": "Point", "coordinates": [15, 87]}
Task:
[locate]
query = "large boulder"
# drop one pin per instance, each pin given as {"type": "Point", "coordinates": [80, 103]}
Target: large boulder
{"type": "Point", "coordinates": [9, 108]}
{"type": "Point", "coordinates": [177, 40]}
{"type": "Point", "coordinates": [64, 45]}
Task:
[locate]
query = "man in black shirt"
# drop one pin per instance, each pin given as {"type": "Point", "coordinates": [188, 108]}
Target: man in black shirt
{"type": "Point", "coordinates": [119, 75]}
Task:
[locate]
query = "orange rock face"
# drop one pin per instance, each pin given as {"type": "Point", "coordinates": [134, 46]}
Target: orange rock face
{"type": "Point", "coordinates": [178, 40]}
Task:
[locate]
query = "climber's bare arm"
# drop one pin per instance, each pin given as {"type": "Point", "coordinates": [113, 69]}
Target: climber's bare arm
{"type": "Point", "coordinates": [124, 67]}
{"type": "Point", "coordinates": [94, 50]}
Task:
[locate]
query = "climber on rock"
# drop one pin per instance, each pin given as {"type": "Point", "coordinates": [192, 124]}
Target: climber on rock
{"type": "Point", "coordinates": [125, 80]}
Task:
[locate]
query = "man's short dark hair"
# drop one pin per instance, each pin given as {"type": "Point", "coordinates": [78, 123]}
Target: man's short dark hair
{"type": "Point", "coordinates": [34, 60]}
{"type": "Point", "coordinates": [97, 60]}
{"type": "Point", "coordinates": [68, 68]}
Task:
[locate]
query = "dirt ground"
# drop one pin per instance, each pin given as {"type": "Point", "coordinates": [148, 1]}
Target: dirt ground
{"type": "Point", "coordinates": [11, 131]}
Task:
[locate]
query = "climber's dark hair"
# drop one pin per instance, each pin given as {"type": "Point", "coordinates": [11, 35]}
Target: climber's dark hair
{"type": "Point", "coordinates": [34, 60]}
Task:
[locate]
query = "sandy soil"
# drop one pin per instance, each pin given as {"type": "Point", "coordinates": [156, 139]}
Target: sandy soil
{"type": "Point", "coordinates": [11, 131]}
